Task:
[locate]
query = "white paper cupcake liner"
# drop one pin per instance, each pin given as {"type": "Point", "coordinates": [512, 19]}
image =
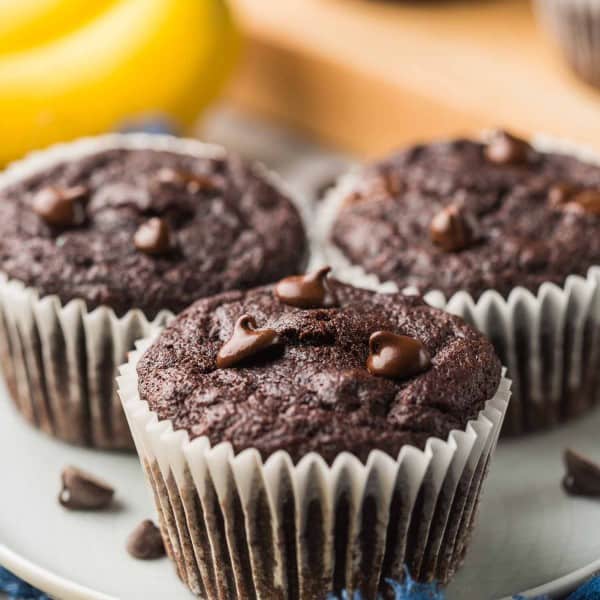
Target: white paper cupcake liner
{"type": "Point", "coordinates": [575, 25]}
{"type": "Point", "coordinates": [240, 528]}
{"type": "Point", "coordinates": [60, 361]}
{"type": "Point", "coordinates": [550, 341]}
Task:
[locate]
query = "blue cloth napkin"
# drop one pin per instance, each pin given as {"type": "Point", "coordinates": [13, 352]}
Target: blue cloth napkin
{"type": "Point", "coordinates": [18, 590]}
{"type": "Point", "coordinates": [408, 590]}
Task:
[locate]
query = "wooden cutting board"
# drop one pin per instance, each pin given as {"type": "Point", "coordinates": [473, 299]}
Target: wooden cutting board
{"type": "Point", "coordinates": [369, 75]}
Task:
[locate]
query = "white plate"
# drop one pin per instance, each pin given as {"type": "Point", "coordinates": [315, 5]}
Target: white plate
{"type": "Point", "coordinates": [529, 532]}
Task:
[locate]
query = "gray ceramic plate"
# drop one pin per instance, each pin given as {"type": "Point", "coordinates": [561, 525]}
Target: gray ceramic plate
{"type": "Point", "coordinates": [529, 532]}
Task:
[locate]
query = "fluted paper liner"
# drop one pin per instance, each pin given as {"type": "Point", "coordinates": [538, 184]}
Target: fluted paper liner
{"type": "Point", "coordinates": [238, 527]}
{"type": "Point", "coordinates": [549, 341]}
{"type": "Point", "coordinates": [60, 361]}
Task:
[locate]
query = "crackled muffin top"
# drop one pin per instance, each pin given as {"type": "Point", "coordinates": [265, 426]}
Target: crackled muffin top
{"type": "Point", "coordinates": [464, 215]}
{"type": "Point", "coordinates": [147, 229]}
{"type": "Point", "coordinates": [311, 383]}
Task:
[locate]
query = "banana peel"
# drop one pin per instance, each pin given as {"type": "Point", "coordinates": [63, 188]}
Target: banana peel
{"type": "Point", "coordinates": [74, 67]}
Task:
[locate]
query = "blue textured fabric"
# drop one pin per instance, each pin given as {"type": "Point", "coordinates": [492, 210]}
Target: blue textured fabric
{"type": "Point", "coordinates": [589, 591]}
{"type": "Point", "coordinates": [18, 590]}
{"type": "Point", "coordinates": [407, 590]}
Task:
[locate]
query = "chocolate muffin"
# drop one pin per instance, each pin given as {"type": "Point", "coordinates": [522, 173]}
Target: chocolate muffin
{"type": "Point", "coordinates": [104, 238]}
{"type": "Point", "coordinates": [466, 218]}
{"type": "Point", "coordinates": [147, 229]}
{"type": "Point", "coordinates": [319, 436]}
{"type": "Point", "coordinates": [452, 217]}
{"type": "Point", "coordinates": [312, 391]}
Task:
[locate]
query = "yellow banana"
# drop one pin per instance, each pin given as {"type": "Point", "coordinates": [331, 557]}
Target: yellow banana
{"type": "Point", "coordinates": [68, 68]}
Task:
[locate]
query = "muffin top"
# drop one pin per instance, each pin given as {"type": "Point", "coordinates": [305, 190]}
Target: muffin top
{"type": "Point", "coordinates": [147, 229]}
{"type": "Point", "coordinates": [354, 372]}
{"type": "Point", "coordinates": [463, 215]}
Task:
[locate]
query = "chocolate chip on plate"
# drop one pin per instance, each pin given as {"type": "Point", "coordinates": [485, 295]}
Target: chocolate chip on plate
{"type": "Point", "coordinates": [306, 291]}
{"type": "Point", "coordinates": [83, 491]}
{"type": "Point", "coordinates": [451, 230]}
{"type": "Point", "coordinates": [145, 541]}
{"type": "Point", "coordinates": [153, 237]}
{"type": "Point", "coordinates": [396, 356]}
{"type": "Point", "coordinates": [58, 206]}
{"type": "Point", "coordinates": [245, 342]}
{"type": "Point", "coordinates": [506, 149]}
{"type": "Point", "coordinates": [583, 475]}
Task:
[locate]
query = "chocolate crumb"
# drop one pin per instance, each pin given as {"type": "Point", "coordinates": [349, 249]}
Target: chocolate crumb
{"type": "Point", "coordinates": [583, 475]}
{"type": "Point", "coordinates": [83, 491]}
{"type": "Point", "coordinates": [145, 541]}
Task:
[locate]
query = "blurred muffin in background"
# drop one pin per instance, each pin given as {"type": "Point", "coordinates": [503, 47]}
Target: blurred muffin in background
{"type": "Point", "coordinates": [500, 232]}
{"type": "Point", "coordinates": [575, 25]}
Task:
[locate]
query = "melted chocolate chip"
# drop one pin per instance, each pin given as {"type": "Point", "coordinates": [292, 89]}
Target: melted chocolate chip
{"type": "Point", "coordinates": [305, 291]}
{"type": "Point", "coordinates": [450, 229]}
{"type": "Point", "coordinates": [396, 356]}
{"type": "Point", "coordinates": [560, 193]}
{"type": "Point", "coordinates": [58, 206]}
{"type": "Point", "coordinates": [506, 149]}
{"type": "Point", "coordinates": [586, 201]}
{"type": "Point", "coordinates": [82, 491]}
{"type": "Point", "coordinates": [353, 198]}
{"type": "Point", "coordinates": [153, 237]}
{"type": "Point", "coordinates": [534, 256]}
{"type": "Point", "coordinates": [184, 179]}
{"type": "Point", "coordinates": [145, 541]}
{"type": "Point", "coordinates": [393, 182]}
{"type": "Point", "coordinates": [245, 342]}
{"type": "Point", "coordinates": [582, 477]}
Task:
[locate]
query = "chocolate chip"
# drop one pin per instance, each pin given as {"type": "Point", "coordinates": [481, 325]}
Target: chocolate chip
{"type": "Point", "coordinates": [82, 491]}
{"type": "Point", "coordinates": [145, 541]}
{"type": "Point", "coordinates": [153, 237]}
{"type": "Point", "coordinates": [383, 184]}
{"type": "Point", "coordinates": [193, 182]}
{"type": "Point", "coordinates": [534, 256]}
{"type": "Point", "coordinates": [393, 182]}
{"type": "Point", "coordinates": [305, 291]}
{"type": "Point", "coordinates": [245, 342]}
{"type": "Point", "coordinates": [560, 193]}
{"type": "Point", "coordinates": [58, 206]}
{"type": "Point", "coordinates": [353, 198]}
{"type": "Point", "coordinates": [396, 356]}
{"type": "Point", "coordinates": [506, 149]}
{"type": "Point", "coordinates": [451, 230]}
{"type": "Point", "coordinates": [583, 475]}
{"type": "Point", "coordinates": [586, 201]}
